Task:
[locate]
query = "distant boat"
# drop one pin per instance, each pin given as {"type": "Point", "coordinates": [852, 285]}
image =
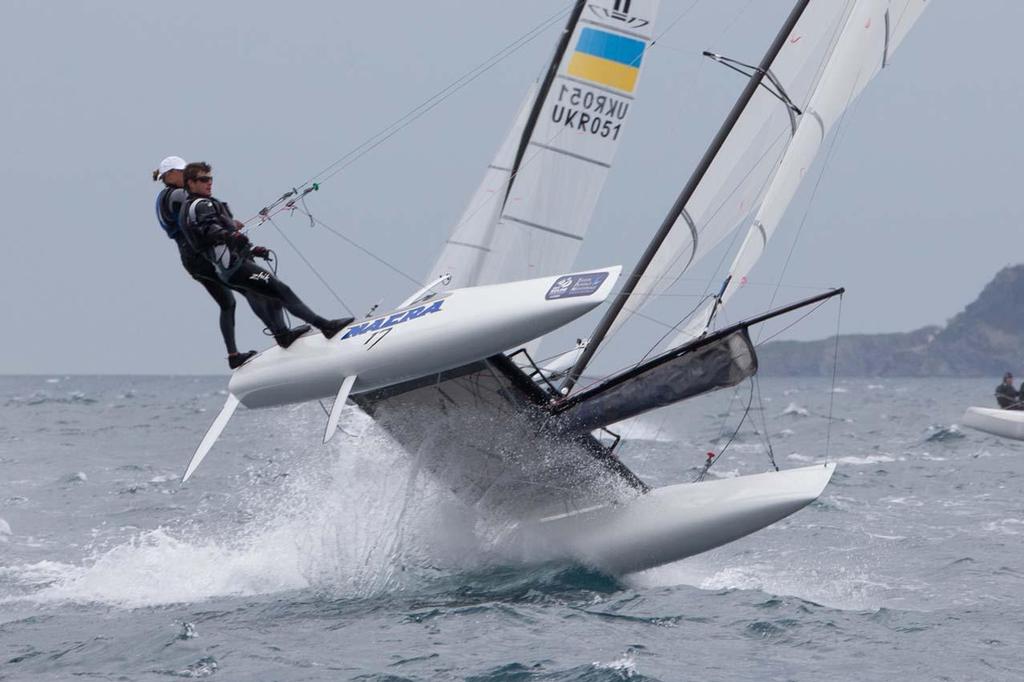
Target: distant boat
{"type": "Point", "coordinates": [996, 421]}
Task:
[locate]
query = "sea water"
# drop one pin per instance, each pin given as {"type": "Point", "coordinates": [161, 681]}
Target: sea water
{"type": "Point", "coordinates": [283, 559]}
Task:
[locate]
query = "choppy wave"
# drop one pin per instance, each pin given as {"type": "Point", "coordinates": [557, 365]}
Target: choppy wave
{"type": "Point", "coordinates": [361, 524]}
{"type": "Point", "coordinates": [942, 434]}
{"type": "Point", "coordinates": [325, 552]}
{"type": "Point", "coordinates": [43, 398]}
{"type": "Point", "coordinates": [796, 410]}
{"type": "Point", "coordinates": [833, 585]}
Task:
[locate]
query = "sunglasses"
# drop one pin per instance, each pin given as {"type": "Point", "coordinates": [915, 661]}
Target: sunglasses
{"type": "Point", "coordinates": [203, 178]}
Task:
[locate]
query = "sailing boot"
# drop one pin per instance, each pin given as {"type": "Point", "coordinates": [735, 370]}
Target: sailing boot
{"type": "Point", "coordinates": [236, 360]}
{"type": "Point", "coordinates": [287, 337]}
{"type": "Point", "coordinates": [331, 327]}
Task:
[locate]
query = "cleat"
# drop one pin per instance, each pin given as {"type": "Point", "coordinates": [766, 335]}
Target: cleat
{"type": "Point", "coordinates": [287, 338]}
{"type": "Point", "coordinates": [236, 360]}
{"type": "Point", "coordinates": [332, 327]}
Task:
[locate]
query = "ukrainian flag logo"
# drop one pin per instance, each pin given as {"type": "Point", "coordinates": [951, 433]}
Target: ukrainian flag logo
{"type": "Point", "coordinates": [607, 58]}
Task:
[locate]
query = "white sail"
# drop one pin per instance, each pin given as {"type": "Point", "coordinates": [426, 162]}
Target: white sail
{"type": "Point", "coordinates": [872, 32]}
{"type": "Point", "coordinates": [469, 242]}
{"type": "Point", "coordinates": [736, 180]}
{"type": "Point", "coordinates": [560, 154]}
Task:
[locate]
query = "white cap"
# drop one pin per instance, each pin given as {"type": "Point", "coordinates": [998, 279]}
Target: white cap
{"type": "Point", "coordinates": [171, 163]}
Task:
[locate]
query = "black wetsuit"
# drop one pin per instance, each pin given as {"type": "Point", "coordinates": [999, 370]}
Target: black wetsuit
{"type": "Point", "coordinates": [168, 209]}
{"type": "Point", "coordinates": [1008, 398]}
{"type": "Point", "coordinates": [209, 226]}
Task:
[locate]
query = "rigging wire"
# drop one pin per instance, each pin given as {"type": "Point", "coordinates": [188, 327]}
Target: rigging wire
{"type": "Point", "coordinates": [835, 369]}
{"type": "Point", "coordinates": [526, 161]}
{"type": "Point", "coordinates": [830, 152]}
{"type": "Point", "coordinates": [375, 140]}
{"type": "Point", "coordinates": [386, 133]}
{"type": "Point", "coordinates": [673, 328]}
{"type": "Point", "coordinates": [365, 250]}
{"type": "Point", "coordinates": [418, 111]}
{"type": "Point", "coordinates": [310, 266]}
{"type": "Point", "coordinates": [764, 424]}
{"type": "Point", "coordinates": [833, 39]}
{"type": "Point", "coordinates": [712, 459]}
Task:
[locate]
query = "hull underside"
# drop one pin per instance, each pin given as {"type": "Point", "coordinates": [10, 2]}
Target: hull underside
{"type": "Point", "coordinates": [486, 433]}
{"type": "Point", "coordinates": [481, 431]}
{"type": "Point", "coordinates": [678, 521]}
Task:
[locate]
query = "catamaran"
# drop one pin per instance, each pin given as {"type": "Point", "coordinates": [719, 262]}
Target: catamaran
{"type": "Point", "coordinates": [450, 372]}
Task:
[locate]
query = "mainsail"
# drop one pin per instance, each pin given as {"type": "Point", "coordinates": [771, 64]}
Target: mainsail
{"type": "Point", "coordinates": [533, 208]}
{"type": "Point", "coordinates": [736, 179]}
{"type": "Point", "coordinates": [833, 50]}
{"type": "Point", "coordinates": [871, 34]}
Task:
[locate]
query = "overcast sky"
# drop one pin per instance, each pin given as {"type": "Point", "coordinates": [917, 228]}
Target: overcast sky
{"type": "Point", "coordinates": [918, 208]}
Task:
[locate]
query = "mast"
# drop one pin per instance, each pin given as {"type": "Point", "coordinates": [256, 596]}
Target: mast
{"type": "Point", "coordinates": [691, 186]}
{"type": "Point", "coordinates": [538, 101]}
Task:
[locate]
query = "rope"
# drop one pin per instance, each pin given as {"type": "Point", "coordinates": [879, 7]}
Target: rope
{"type": "Point", "coordinates": [389, 131]}
{"type": "Point", "coordinates": [369, 253]}
{"type": "Point", "coordinates": [835, 369]}
{"type": "Point", "coordinates": [764, 424]}
{"type": "Point", "coordinates": [310, 266]}
{"type": "Point", "coordinates": [416, 112]}
{"type": "Point", "coordinates": [714, 458]}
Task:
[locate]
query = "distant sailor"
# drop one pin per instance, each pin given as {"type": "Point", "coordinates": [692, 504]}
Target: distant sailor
{"type": "Point", "coordinates": [212, 230]}
{"type": "Point", "coordinates": [1007, 395]}
{"type": "Point", "coordinates": [168, 207]}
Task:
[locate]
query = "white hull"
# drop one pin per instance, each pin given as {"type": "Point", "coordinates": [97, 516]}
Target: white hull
{"type": "Point", "coordinates": [674, 522]}
{"type": "Point", "coordinates": [440, 333]}
{"type": "Point", "coordinates": [1005, 423]}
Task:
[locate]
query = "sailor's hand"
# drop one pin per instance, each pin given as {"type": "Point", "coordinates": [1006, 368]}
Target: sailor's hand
{"type": "Point", "coordinates": [238, 239]}
{"type": "Point", "coordinates": [239, 224]}
{"type": "Point", "coordinates": [260, 252]}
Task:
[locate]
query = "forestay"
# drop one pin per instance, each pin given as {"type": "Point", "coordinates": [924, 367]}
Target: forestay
{"type": "Point", "coordinates": [871, 34]}
{"type": "Point", "coordinates": [534, 206]}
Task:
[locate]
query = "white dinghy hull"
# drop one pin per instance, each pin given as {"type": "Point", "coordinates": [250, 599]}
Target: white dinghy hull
{"type": "Point", "coordinates": [1005, 423]}
{"type": "Point", "coordinates": [431, 335]}
{"type": "Point", "coordinates": [674, 522]}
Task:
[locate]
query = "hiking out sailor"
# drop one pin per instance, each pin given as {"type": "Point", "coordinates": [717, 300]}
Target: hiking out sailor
{"type": "Point", "coordinates": [1007, 396]}
{"type": "Point", "coordinates": [212, 230]}
{"type": "Point", "coordinates": [168, 208]}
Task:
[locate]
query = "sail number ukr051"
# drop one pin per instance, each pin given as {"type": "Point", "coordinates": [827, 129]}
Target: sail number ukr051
{"type": "Point", "coordinates": [589, 111]}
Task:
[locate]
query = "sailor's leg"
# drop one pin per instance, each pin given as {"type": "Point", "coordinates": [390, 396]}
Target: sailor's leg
{"type": "Point", "coordinates": [252, 278]}
{"type": "Point", "coordinates": [226, 300]}
{"type": "Point", "coordinates": [268, 310]}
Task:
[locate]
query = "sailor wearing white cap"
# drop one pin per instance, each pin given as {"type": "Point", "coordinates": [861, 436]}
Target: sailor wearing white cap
{"type": "Point", "coordinates": [168, 206]}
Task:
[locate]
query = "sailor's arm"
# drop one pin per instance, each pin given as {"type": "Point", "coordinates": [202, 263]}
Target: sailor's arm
{"type": "Point", "coordinates": [205, 225]}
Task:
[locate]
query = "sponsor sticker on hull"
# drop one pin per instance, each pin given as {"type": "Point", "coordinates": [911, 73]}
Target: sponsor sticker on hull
{"type": "Point", "coordinates": [576, 285]}
{"type": "Point", "coordinates": [391, 320]}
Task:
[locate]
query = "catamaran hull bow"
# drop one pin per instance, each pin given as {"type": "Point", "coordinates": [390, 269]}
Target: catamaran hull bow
{"type": "Point", "coordinates": [1005, 423]}
{"type": "Point", "coordinates": [433, 334]}
{"type": "Point", "coordinates": [671, 523]}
